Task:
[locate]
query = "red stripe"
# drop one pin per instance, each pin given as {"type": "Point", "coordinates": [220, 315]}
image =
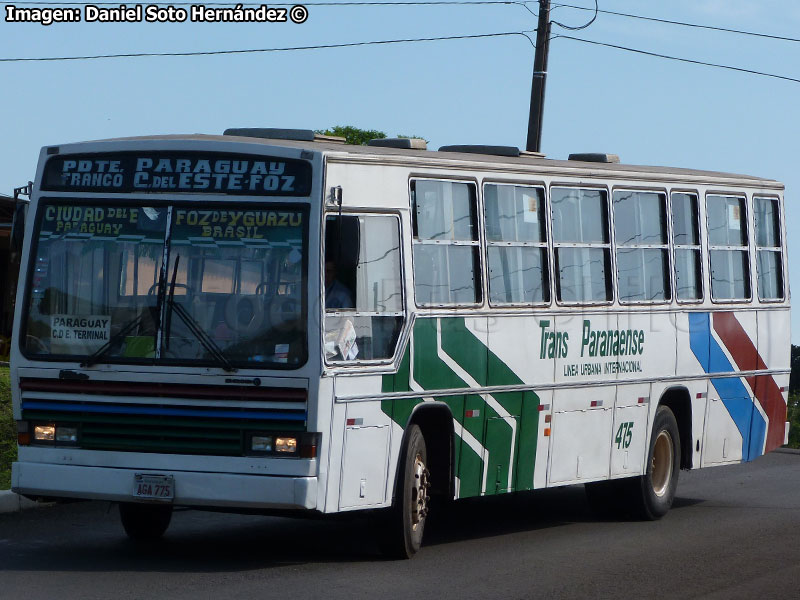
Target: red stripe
{"type": "Point", "coordinates": [747, 358]}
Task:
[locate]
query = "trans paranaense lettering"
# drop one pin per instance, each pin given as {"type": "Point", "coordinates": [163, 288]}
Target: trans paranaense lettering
{"type": "Point", "coordinates": [553, 344]}
{"type": "Point", "coordinates": [610, 342]}
{"type": "Point", "coordinates": [594, 343]}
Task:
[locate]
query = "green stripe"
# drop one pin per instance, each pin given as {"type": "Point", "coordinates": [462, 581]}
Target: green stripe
{"type": "Point", "coordinates": [491, 431]}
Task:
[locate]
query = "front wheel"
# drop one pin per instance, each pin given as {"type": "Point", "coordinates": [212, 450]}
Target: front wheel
{"type": "Point", "coordinates": [145, 522]}
{"type": "Point", "coordinates": [655, 490]}
{"type": "Point", "coordinates": [405, 524]}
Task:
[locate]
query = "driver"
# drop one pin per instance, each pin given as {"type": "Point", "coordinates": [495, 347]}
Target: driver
{"type": "Point", "coordinates": [336, 293]}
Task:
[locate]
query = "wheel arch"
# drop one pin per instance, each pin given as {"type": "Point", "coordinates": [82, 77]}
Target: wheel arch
{"type": "Point", "coordinates": [435, 420]}
{"type": "Point", "coordinates": [679, 401]}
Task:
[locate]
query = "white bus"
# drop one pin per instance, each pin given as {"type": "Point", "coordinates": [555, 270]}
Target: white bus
{"type": "Point", "coordinates": [271, 320]}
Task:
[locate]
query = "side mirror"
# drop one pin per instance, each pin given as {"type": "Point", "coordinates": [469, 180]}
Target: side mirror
{"type": "Point", "coordinates": [18, 227]}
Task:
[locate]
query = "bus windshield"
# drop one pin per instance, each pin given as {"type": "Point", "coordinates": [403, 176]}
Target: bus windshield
{"type": "Point", "coordinates": [232, 291]}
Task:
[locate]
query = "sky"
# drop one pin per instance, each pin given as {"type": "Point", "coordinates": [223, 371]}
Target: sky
{"type": "Point", "coordinates": [647, 110]}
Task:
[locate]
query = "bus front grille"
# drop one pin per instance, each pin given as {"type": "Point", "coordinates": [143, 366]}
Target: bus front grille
{"type": "Point", "coordinates": [122, 422]}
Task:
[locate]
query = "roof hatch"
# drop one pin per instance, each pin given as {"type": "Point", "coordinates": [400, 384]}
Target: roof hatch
{"type": "Point", "coordinates": [594, 157]}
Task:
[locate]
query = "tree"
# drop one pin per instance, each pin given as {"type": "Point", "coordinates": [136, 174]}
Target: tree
{"type": "Point", "coordinates": [353, 135]}
{"type": "Point", "coordinates": [356, 136]}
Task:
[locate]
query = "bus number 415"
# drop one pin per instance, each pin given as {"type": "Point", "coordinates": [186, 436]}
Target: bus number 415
{"type": "Point", "coordinates": [624, 435]}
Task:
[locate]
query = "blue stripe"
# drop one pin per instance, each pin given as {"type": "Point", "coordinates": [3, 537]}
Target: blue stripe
{"type": "Point", "coordinates": [160, 410]}
{"type": "Point", "coordinates": [731, 390]}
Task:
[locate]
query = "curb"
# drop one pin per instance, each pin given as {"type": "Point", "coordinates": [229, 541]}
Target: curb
{"type": "Point", "coordinates": [11, 502]}
{"type": "Point", "coordinates": [787, 450]}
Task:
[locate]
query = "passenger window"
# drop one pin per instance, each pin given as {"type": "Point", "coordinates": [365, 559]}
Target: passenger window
{"type": "Point", "coordinates": [516, 242]}
{"type": "Point", "coordinates": [686, 240]}
{"type": "Point", "coordinates": [640, 230]}
{"type": "Point", "coordinates": [139, 269]}
{"type": "Point", "coordinates": [581, 243]}
{"type": "Point", "coordinates": [218, 276]}
{"type": "Point", "coordinates": [768, 244]}
{"type": "Point", "coordinates": [445, 244]}
{"type": "Point", "coordinates": [727, 238]}
{"type": "Point", "coordinates": [363, 287]}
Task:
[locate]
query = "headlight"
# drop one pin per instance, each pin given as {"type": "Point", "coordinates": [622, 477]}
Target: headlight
{"type": "Point", "coordinates": [44, 433]}
{"type": "Point", "coordinates": [67, 434]}
{"type": "Point", "coordinates": [261, 443]}
{"type": "Point", "coordinates": [286, 444]}
{"type": "Point", "coordinates": [52, 434]}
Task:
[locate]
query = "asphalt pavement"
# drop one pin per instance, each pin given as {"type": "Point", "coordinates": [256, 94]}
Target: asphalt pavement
{"type": "Point", "coordinates": [732, 533]}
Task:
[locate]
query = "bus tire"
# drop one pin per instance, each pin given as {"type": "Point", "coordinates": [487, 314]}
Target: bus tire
{"type": "Point", "coordinates": [145, 522]}
{"type": "Point", "coordinates": [402, 535]}
{"type": "Point", "coordinates": [655, 490]}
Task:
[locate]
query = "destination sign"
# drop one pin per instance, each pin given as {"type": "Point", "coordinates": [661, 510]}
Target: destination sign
{"type": "Point", "coordinates": [196, 172]}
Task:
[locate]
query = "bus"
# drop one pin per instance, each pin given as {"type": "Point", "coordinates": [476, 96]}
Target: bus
{"type": "Point", "coordinates": [275, 321]}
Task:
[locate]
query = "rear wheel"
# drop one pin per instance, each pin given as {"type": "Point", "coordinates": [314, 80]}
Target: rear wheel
{"type": "Point", "coordinates": [145, 522]}
{"type": "Point", "coordinates": [402, 535]}
{"type": "Point", "coordinates": [655, 490]}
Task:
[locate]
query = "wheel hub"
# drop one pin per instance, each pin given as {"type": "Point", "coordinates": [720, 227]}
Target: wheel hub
{"type": "Point", "coordinates": [419, 492]}
{"type": "Point", "coordinates": [662, 463]}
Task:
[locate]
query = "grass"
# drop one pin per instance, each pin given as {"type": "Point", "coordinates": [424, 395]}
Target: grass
{"type": "Point", "coordinates": [8, 430]}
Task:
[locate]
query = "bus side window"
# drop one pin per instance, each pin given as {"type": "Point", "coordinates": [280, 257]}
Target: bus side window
{"type": "Point", "coordinates": [686, 241]}
{"type": "Point", "coordinates": [581, 244]}
{"type": "Point", "coordinates": [363, 287]}
{"type": "Point", "coordinates": [640, 230]}
{"type": "Point", "coordinates": [768, 248]}
{"type": "Point", "coordinates": [516, 241]}
{"type": "Point", "coordinates": [445, 243]}
{"type": "Point", "coordinates": [728, 247]}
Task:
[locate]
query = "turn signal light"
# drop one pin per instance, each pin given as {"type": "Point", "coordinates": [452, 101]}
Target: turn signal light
{"type": "Point", "coordinates": [23, 434]}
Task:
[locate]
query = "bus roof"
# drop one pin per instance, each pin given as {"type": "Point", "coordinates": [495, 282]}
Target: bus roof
{"type": "Point", "coordinates": [523, 163]}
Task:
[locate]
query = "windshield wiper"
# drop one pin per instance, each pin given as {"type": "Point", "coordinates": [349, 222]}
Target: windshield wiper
{"type": "Point", "coordinates": [115, 339]}
{"type": "Point", "coordinates": [208, 343]}
{"type": "Point", "coordinates": [194, 327]}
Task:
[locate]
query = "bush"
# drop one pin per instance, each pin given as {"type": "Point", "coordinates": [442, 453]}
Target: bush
{"type": "Point", "coordinates": [793, 417]}
{"type": "Point", "coordinates": [8, 431]}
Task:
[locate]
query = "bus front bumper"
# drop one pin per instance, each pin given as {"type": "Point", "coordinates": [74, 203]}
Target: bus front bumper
{"type": "Point", "coordinates": [213, 490]}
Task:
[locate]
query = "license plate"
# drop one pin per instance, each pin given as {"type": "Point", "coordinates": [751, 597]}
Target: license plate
{"type": "Point", "coordinates": [154, 487]}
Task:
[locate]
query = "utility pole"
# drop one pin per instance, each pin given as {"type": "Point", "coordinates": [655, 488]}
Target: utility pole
{"type": "Point", "coordinates": [536, 117]}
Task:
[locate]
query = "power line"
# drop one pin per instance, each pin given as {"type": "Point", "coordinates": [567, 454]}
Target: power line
{"type": "Point", "coordinates": [686, 24]}
{"type": "Point", "coordinates": [585, 25]}
{"type": "Point", "coordinates": [261, 50]}
{"type": "Point", "coordinates": [677, 58]}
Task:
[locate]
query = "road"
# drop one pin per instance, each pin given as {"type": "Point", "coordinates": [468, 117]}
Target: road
{"type": "Point", "coordinates": [732, 533]}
